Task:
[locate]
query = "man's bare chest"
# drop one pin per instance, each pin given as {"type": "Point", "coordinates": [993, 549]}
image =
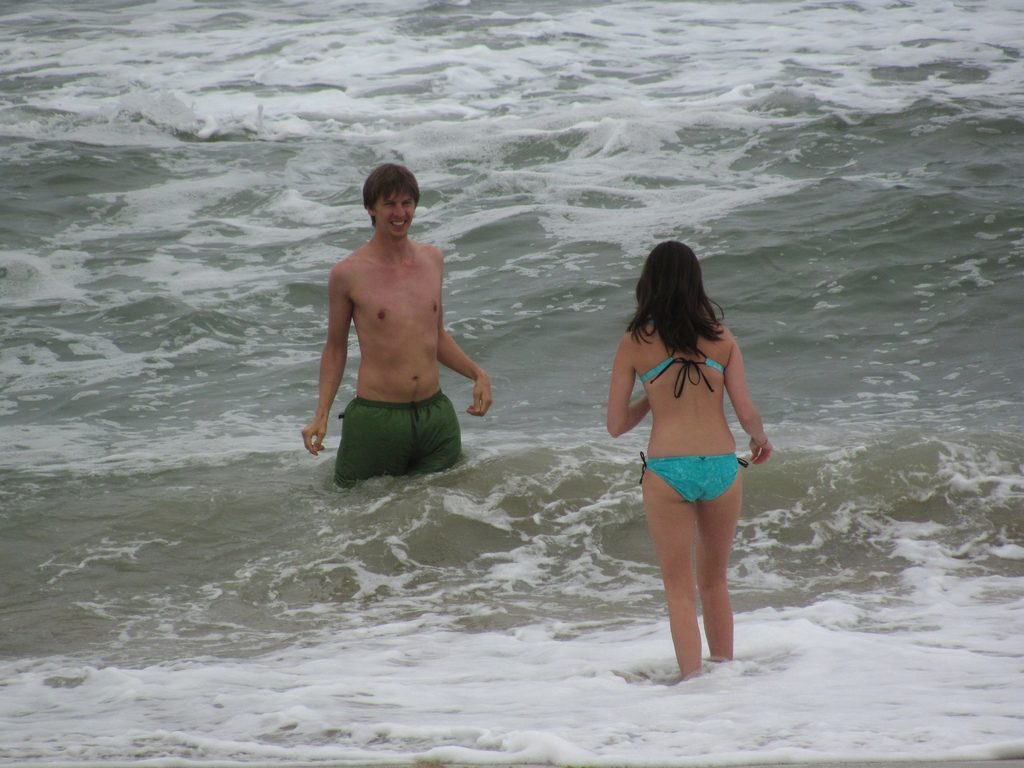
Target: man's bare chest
{"type": "Point", "coordinates": [398, 299]}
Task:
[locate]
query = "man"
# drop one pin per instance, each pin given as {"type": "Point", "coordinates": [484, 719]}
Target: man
{"type": "Point", "coordinates": [399, 422]}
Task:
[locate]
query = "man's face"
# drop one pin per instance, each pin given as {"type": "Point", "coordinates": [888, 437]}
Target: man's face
{"type": "Point", "coordinates": [393, 213]}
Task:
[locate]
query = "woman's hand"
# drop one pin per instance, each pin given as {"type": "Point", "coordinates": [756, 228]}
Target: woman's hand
{"type": "Point", "coordinates": [760, 450]}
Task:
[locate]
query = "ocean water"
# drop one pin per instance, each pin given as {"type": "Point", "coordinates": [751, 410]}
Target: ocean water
{"type": "Point", "coordinates": [180, 581]}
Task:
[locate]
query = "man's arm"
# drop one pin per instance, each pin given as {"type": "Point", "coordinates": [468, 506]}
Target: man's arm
{"type": "Point", "coordinates": [450, 355]}
{"type": "Point", "coordinates": [333, 357]}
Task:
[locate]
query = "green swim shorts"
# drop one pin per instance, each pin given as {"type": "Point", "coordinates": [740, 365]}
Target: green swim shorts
{"type": "Point", "coordinates": [379, 438]}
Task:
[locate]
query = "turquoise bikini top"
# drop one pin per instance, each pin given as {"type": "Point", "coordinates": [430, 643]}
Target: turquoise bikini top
{"type": "Point", "coordinates": [689, 370]}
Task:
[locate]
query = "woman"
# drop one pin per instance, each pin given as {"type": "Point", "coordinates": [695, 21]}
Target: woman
{"type": "Point", "coordinates": [686, 359]}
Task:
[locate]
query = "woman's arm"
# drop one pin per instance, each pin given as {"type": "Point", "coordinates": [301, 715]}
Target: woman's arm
{"type": "Point", "coordinates": [623, 415]}
{"type": "Point", "coordinates": [742, 403]}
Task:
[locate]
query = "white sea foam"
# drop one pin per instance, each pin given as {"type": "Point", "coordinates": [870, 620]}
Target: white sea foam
{"type": "Point", "coordinates": [597, 697]}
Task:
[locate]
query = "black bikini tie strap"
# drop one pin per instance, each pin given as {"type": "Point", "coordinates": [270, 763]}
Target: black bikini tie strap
{"type": "Point", "coordinates": [689, 371]}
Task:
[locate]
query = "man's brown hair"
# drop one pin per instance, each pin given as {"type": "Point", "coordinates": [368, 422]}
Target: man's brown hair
{"type": "Point", "coordinates": [388, 179]}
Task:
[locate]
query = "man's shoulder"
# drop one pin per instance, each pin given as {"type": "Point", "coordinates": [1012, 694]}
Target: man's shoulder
{"type": "Point", "coordinates": [367, 255]}
{"type": "Point", "coordinates": [429, 251]}
{"type": "Point", "coordinates": [346, 273]}
{"type": "Point", "coordinates": [362, 253]}
{"type": "Point", "coordinates": [353, 262]}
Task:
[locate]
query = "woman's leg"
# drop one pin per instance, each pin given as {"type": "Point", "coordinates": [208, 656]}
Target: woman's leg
{"type": "Point", "coordinates": [670, 521]}
{"type": "Point", "coordinates": [716, 528]}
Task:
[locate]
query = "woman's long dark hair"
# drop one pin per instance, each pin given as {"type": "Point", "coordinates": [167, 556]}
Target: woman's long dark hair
{"type": "Point", "coordinates": [670, 296]}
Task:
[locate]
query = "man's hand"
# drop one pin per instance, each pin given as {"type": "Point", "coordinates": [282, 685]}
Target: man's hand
{"type": "Point", "coordinates": [313, 435]}
{"type": "Point", "coordinates": [481, 395]}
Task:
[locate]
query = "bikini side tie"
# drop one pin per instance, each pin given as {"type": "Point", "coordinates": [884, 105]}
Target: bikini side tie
{"type": "Point", "coordinates": [643, 461]}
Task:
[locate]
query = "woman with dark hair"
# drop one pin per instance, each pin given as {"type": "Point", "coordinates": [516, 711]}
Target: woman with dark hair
{"type": "Point", "coordinates": [687, 359]}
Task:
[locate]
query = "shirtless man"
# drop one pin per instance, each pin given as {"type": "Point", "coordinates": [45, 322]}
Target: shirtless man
{"type": "Point", "coordinates": [399, 422]}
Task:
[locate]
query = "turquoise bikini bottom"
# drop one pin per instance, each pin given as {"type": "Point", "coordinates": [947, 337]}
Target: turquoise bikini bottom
{"type": "Point", "coordinates": [695, 478]}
